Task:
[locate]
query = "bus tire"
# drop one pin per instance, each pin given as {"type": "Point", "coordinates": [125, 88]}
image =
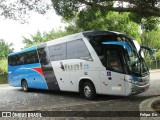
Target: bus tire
{"type": "Point", "coordinates": [89, 91]}
{"type": "Point", "coordinates": [25, 86]}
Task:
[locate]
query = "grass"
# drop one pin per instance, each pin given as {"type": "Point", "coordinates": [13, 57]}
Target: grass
{"type": "Point", "coordinates": [3, 79]}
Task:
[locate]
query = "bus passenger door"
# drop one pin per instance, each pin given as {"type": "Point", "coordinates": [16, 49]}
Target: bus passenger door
{"type": "Point", "coordinates": [112, 80]}
{"type": "Point", "coordinates": [62, 75]}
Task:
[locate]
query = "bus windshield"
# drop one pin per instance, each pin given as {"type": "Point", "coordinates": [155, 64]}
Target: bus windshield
{"type": "Point", "coordinates": [135, 63]}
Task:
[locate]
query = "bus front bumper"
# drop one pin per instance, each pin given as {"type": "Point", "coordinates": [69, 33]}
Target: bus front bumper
{"type": "Point", "coordinates": [136, 89]}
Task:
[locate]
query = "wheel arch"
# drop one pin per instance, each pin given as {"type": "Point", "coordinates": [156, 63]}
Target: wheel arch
{"type": "Point", "coordinates": [23, 79]}
{"type": "Point", "coordinates": [82, 81]}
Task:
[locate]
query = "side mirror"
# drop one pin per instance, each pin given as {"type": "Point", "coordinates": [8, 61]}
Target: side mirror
{"type": "Point", "coordinates": [148, 49]}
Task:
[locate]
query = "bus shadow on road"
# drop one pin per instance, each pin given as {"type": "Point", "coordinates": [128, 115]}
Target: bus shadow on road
{"type": "Point", "coordinates": [70, 95]}
{"type": "Point", "coordinates": [142, 97]}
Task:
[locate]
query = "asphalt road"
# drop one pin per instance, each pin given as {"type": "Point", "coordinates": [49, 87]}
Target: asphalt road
{"type": "Point", "coordinates": [14, 99]}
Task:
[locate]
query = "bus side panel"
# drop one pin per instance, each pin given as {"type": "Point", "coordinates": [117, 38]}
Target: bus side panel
{"type": "Point", "coordinates": [74, 71]}
{"type": "Point", "coordinates": [28, 72]}
{"type": "Point", "coordinates": [93, 76]}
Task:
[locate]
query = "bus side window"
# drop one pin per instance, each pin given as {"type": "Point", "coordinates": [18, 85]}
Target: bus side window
{"type": "Point", "coordinates": [15, 60]}
{"type": "Point", "coordinates": [10, 60]}
{"type": "Point", "coordinates": [77, 49]}
{"type": "Point", "coordinates": [22, 59]}
{"type": "Point", "coordinates": [57, 52]}
{"type": "Point", "coordinates": [32, 57]}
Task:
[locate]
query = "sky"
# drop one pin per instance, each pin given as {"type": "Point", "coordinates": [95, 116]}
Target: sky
{"type": "Point", "coordinates": [12, 31]}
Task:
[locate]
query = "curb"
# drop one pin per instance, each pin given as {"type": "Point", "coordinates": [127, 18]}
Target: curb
{"type": "Point", "coordinates": [156, 70]}
{"type": "Point", "coordinates": [4, 85]}
{"type": "Point", "coordinates": [146, 106]}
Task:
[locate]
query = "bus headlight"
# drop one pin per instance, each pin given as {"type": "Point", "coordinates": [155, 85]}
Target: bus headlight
{"type": "Point", "coordinates": [128, 80]}
{"type": "Point", "coordinates": [131, 81]}
{"type": "Point", "coordinates": [134, 82]}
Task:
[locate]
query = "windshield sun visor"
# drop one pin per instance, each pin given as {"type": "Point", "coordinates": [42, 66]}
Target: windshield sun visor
{"type": "Point", "coordinates": [124, 44]}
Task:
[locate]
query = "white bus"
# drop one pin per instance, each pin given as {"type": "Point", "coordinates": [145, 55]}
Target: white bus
{"type": "Point", "coordinates": [91, 62]}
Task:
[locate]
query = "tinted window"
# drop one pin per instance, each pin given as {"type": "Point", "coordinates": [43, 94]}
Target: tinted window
{"type": "Point", "coordinates": [43, 55]}
{"type": "Point", "coordinates": [30, 57]}
{"type": "Point", "coordinates": [12, 60]}
{"type": "Point", "coordinates": [58, 52]}
{"type": "Point", "coordinates": [23, 58]}
{"type": "Point", "coordinates": [113, 60]}
{"type": "Point", "coordinates": [96, 42]}
{"type": "Point", "coordinates": [77, 50]}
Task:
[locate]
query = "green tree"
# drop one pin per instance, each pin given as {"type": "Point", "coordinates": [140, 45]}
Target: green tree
{"type": "Point", "coordinates": [5, 49]}
{"type": "Point", "coordinates": [152, 40]}
{"type": "Point", "coordinates": [21, 9]}
{"type": "Point", "coordinates": [68, 8]}
{"type": "Point", "coordinates": [3, 66]}
{"type": "Point", "coordinates": [157, 55]}
{"type": "Point", "coordinates": [114, 21]}
{"type": "Point", "coordinates": [147, 23]}
{"type": "Point", "coordinates": [143, 12]}
{"type": "Point", "coordinates": [43, 37]}
{"type": "Point", "coordinates": [34, 40]}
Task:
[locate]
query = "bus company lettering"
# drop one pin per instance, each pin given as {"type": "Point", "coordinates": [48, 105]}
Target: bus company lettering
{"type": "Point", "coordinates": [74, 67]}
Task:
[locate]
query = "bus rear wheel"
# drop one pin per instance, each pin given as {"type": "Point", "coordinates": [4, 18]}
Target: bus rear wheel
{"type": "Point", "coordinates": [89, 91]}
{"type": "Point", "coordinates": [25, 86]}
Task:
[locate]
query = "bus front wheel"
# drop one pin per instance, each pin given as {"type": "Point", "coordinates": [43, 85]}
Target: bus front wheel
{"type": "Point", "coordinates": [25, 86]}
{"type": "Point", "coordinates": [89, 91]}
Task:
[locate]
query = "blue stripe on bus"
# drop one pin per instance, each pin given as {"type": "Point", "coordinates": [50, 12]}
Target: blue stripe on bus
{"type": "Point", "coordinates": [25, 50]}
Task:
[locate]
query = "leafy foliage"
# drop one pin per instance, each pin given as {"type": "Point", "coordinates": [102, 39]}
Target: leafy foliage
{"type": "Point", "coordinates": [67, 8]}
{"type": "Point", "coordinates": [34, 40]}
{"type": "Point", "coordinates": [152, 40]}
{"type": "Point", "coordinates": [21, 9]}
{"type": "Point", "coordinates": [157, 55]}
{"type": "Point", "coordinates": [3, 66]}
{"type": "Point", "coordinates": [43, 37]}
{"type": "Point", "coordinates": [148, 23]}
{"type": "Point", "coordinates": [114, 21]}
{"type": "Point", "coordinates": [5, 49]}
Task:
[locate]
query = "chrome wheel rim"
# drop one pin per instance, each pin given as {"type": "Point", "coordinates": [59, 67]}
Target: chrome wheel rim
{"type": "Point", "coordinates": [87, 91]}
{"type": "Point", "coordinates": [24, 86]}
